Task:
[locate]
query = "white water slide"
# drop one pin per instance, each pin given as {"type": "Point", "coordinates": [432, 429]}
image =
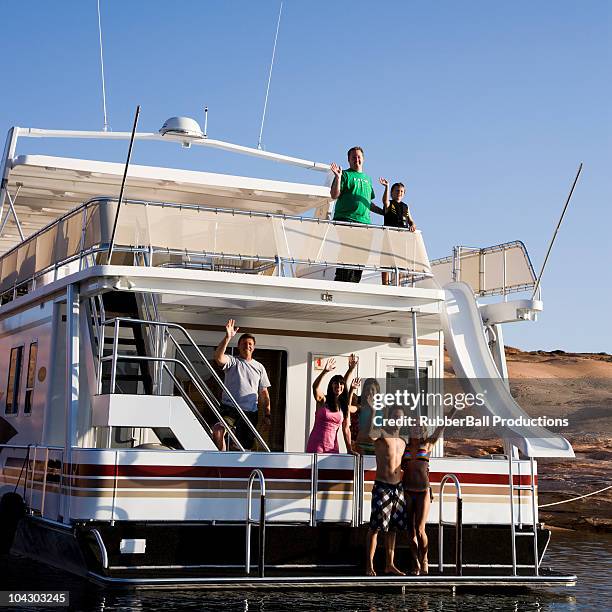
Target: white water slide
{"type": "Point", "coordinates": [473, 363]}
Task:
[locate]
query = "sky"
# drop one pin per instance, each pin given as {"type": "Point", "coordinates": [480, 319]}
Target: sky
{"type": "Point", "coordinates": [483, 109]}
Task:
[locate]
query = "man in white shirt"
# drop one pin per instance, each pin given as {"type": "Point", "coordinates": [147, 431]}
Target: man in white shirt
{"type": "Point", "coordinates": [247, 381]}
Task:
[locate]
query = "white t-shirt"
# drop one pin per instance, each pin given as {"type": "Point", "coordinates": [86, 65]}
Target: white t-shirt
{"type": "Point", "coordinates": [244, 380]}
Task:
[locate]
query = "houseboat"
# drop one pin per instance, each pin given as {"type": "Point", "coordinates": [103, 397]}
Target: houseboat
{"type": "Point", "coordinates": [110, 310]}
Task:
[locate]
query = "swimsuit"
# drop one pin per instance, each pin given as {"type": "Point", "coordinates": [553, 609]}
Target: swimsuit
{"type": "Point", "coordinates": [416, 470]}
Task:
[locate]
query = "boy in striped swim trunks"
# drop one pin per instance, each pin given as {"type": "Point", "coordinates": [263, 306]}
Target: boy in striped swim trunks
{"type": "Point", "coordinates": [388, 513]}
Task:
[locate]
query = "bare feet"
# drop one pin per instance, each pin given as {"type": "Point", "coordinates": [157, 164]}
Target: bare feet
{"type": "Point", "coordinates": [370, 571]}
{"type": "Point", "coordinates": [424, 566]}
{"type": "Point", "coordinates": [391, 569]}
{"type": "Point", "coordinates": [415, 572]}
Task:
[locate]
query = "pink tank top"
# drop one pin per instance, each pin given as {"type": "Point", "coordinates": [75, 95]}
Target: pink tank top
{"type": "Point", "coordinates": [324, 435]}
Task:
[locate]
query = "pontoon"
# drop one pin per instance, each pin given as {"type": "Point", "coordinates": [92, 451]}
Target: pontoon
{"type": "Point", "coordinates": [109, 393]}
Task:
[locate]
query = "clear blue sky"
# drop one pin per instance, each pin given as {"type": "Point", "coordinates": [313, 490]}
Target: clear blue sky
{"type": "Point", "coordinates": [484, 109]}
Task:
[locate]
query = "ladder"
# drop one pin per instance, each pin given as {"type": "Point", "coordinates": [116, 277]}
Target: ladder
{"type": "Point", "coordinates": [262, 522]}
{"type": "Point", "coordinates": [458, 525]}
{"type": "Point", "coordinates": [513, 525]}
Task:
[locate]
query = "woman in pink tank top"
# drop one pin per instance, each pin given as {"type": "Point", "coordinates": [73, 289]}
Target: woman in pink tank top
{"type": "Point", "coordinates": [331, 415]}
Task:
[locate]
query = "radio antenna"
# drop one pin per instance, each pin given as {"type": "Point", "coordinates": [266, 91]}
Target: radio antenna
{"type": "Point", "coordinates": [263, 116]}
{"type": "Point", "coordinates": [106, 127]}
{"type": "Point", "coordinates": [552, 241]}
{"type": "Point", "coordinates": [111, 245]}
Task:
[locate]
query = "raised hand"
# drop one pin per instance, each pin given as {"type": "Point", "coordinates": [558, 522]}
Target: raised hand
{"type": "Point", "coordinates": [355, 384]}
{"type": "Point", "coordinates": [230, 329]}
{"type": "Point", "coordinates": [383, 181]}
{"type": "Point", "coordinates": [330, 365]}
{"type": "Point", "coordinates": [353, 360]}
{"type": "Point", "coordinates": [336, 169]}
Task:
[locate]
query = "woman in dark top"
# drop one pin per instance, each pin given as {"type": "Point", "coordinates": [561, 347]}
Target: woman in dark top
{"type": "Point", "coordinates": [397, 213]}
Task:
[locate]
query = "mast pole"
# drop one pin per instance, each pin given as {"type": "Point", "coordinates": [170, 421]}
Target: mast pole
{"type": "Point", "coordinates": [111, 246]}
{"type": "Point", "coordinates": [550, 246]}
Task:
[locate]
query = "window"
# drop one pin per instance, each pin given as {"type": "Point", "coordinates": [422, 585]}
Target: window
{"type": "Point", "coordinates": [14, 378]}
{"type": "Point", "coordinates": [27, 408]}
{"type": "Point", "coordinates": [401, 378]}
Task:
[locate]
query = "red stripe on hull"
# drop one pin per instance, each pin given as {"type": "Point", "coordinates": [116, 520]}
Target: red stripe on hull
{"type": "Point", "coordinates": [191, 471]}
{"type": "Point", "coordinates": [467, 478]}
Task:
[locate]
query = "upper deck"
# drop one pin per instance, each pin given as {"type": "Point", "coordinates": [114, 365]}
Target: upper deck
{"type": "Point", "coordinates": [205, 221]}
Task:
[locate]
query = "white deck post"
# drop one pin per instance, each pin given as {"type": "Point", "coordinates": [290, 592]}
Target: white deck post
{"type": "Point", "coordinates": [72, 388]}
{"type": "Point", "coordinates": [9, 152]}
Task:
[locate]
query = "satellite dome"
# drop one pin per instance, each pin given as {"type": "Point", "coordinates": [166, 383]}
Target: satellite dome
{"type": "Point", "coordinates": [181, 126]}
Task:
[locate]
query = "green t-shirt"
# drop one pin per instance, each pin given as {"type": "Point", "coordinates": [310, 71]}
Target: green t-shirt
{"type": "Point", "coordinates": [356, 193]}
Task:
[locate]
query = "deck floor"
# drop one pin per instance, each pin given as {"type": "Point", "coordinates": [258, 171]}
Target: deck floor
{"type": "Point", "coordinates": [284, 578]}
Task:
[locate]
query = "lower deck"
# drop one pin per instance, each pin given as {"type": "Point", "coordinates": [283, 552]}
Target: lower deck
{"type": "Point", "coordinates": [352, 582]}
{"type": "Point", "coordinates": [323, 557]}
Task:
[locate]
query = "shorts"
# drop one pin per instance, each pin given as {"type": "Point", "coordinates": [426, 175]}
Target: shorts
{"type": "Point", "coordinates": [388, 507]}
{"type": "Point", "coordinates": [242, 430]}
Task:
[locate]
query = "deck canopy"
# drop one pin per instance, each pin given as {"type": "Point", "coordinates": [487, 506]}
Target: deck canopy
{"type": "Point", "coordinates": [48, 187]}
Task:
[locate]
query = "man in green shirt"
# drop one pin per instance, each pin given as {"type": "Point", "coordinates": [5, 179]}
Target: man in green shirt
{"type": "Point", "coordinates": [353, 192]}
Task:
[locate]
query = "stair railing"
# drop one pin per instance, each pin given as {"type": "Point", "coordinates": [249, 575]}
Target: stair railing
{"type": "Point", "coordinates": [193, 374]}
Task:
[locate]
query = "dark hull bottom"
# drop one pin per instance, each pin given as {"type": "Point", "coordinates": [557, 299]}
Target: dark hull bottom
{"type": "Point", "coordinates": [327, 556]}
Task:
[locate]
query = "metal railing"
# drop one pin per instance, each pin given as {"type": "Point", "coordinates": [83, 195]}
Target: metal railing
{"type": "Point", "coordinates": [458, 526]}
{"type": "Point", "coordinates": [30, 477]}
{"type": "Point", "coordinates": [187, 365]}
{"type": "Point", "coordinates": [514, 533]}
{"type": "Point", "coordinates": [479, 273]}
{"type": "Point", "coordinates": [262, 522]}
{"type": "Point", "coordinates": [74, 237]}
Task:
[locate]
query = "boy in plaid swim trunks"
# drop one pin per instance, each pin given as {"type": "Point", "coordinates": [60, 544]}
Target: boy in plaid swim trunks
{"type": "Point", "coordinates": [388, 513]}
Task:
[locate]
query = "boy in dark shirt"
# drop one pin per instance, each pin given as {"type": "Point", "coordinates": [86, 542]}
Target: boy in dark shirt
{"type": "Point", "coordinates": [397, 213]}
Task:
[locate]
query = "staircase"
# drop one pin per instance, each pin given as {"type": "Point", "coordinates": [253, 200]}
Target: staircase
{"type": "Point", "coordinates": [133, 360]}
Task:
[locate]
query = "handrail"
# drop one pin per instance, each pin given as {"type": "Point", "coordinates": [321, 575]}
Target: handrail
{"type": "Point", "coordinates": [534, 509]}
{"type": "Point", "coordinates": [47, 448]}
{"type": "Point", "coordinates": [513, 532]}
{"type": "Point", "coordinates": [314, 489]}
{"type": "Point", "coordinates": [463, 253]}
{"type": "Point", "coordinates": [262, 522]}
{"type": "Point", "coordinates": [357, 489]}
{"type": "Point", "coordinates": [117, 356]}
{"type": "Point", "coordinates": [458, 526]}
{"type": "Point", "coordinates": [97, 244]}
{"type": "Point", "coordinates": [186, 397]}
{"type": "Point", "coordinates": [181, 352]}
{"type": "Point", "coordinates": [211, 370]}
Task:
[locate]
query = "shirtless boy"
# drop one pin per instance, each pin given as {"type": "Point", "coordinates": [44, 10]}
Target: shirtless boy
{"type": "Point", "coordinates": [388, 512]}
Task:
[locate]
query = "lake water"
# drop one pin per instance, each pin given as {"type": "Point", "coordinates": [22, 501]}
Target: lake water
{"type": "Point", "coordinates": [588, 555]}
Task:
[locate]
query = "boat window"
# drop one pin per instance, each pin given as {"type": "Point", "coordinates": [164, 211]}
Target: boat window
{"type": "Point", "coordinates": [14, 378]}
{"type": "Point", "coordinates": [401, 378]}
{"type": "Point", "coordinates": [273, 360]}
{"type": "Point", "coordinates": [29, 392]}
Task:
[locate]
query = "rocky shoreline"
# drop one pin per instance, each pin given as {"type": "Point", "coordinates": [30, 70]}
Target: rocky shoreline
{"type": "Point", "coordinates": [564, 479]}
{"type": "Point", "coordinates": [576, 386]}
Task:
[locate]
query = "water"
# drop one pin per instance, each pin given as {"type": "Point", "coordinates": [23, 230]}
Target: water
{"type": "Point", "coordinates": [587, 555]}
